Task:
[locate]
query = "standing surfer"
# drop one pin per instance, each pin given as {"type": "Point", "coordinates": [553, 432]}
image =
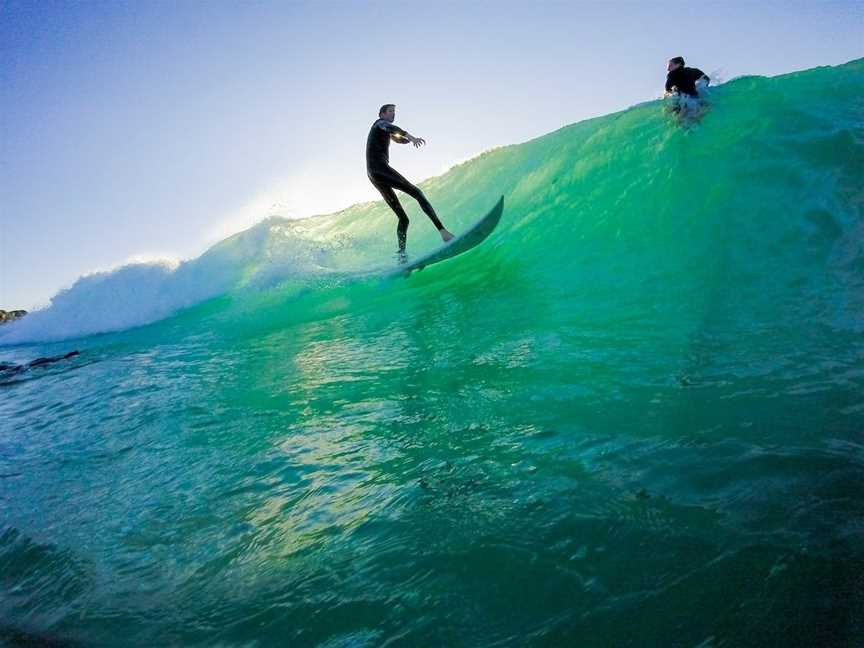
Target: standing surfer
{"type": "Point", "coordinates": [386, 178]}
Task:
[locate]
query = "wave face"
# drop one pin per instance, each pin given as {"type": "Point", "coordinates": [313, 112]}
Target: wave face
{"type": "Point", "coordinates": [632, 416]}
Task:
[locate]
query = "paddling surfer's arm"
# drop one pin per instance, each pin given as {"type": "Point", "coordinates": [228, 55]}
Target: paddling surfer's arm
{"type": "Point", "coordinates": [401, 136]}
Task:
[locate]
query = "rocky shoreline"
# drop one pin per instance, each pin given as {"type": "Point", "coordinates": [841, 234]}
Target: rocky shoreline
{"type": "Point", "coordinates": [9, 316]}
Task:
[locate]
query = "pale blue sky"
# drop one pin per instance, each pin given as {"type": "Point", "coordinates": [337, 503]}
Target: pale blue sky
{"type": "Point", "coordinates": [145, 129]}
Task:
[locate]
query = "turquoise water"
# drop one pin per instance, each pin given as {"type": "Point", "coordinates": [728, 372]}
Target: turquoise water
{"type": "Point", "coordinates": [633, 416]}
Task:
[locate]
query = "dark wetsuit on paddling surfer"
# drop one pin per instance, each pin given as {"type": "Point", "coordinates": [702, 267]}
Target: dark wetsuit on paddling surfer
{"type": "Point", "coordinates": [386, 178]}
{"type": "Point", "coordinates": [685, 80]}
{"type": "Point", "coordinates": [687, 85]}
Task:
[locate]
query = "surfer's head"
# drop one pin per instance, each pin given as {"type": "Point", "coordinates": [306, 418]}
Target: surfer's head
{"type": "Point", "coordinates": [675, 63]}
{"type": "Point", "coordinates": [387, 112]}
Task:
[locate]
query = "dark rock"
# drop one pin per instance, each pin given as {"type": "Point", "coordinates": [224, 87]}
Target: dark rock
{"type": "Point", "coordinates": [38, 362]}
{"type": "Point", "coordinates": [9, 367]}
{"type": "Point", "coordinates": [8, 316]}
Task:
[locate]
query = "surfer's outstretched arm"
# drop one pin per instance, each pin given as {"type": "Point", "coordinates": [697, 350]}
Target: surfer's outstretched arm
{"type": "Point", "coordinates": [406, 139]}
{"type": "Point", "coordinates": [401, 136]}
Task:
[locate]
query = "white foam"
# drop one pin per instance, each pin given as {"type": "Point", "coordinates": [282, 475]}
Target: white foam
{"type": "Point", "coordinates": [144, 292]}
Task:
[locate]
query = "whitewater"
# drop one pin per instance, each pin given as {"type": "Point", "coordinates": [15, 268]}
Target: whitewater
{"type": "Point", "coordinates": [632, 416]}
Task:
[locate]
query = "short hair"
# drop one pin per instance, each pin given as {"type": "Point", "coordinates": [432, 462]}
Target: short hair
{"type": "Point", "coordinates": [384, 108]}
{"type": "Point", "coordinates": [677, 59]}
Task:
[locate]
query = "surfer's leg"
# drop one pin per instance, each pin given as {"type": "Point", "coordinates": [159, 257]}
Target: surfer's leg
{"type": "Point", "coordinates": [393, 202]}
{"type": "Point", "coordinates": [395, 180]}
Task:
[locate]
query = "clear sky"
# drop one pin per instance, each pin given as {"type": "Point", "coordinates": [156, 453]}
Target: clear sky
{"type": "Point", "coordinates": [154, 129]}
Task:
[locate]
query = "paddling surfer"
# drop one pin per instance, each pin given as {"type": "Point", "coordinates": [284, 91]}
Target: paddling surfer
{"type": "Point", "coordinates": [687, 85]}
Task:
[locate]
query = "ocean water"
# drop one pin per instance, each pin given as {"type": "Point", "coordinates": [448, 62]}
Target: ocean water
{"type": "Point", "coordinates": [634, 416]}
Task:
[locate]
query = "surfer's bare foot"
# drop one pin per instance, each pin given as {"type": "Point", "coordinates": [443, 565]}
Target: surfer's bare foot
{"type": "Point", "coordinates": [445, 235]}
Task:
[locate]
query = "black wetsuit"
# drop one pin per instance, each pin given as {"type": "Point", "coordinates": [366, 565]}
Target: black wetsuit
{"type": "Point", "coordinates": [684, 79]}
{"type": "Point", "coordinates": [386, 178]}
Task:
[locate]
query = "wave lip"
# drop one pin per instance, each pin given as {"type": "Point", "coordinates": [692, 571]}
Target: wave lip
{"type": "Point", "coordinates": [140, 293]}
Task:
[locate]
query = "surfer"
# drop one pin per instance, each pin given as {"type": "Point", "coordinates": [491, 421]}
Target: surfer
{"type": "Point", "coordinates": [386, 178]}
{"type": "Point", "coordinates": [687, 84]}
{"type": "Point", "coordinates": [685, 80]}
